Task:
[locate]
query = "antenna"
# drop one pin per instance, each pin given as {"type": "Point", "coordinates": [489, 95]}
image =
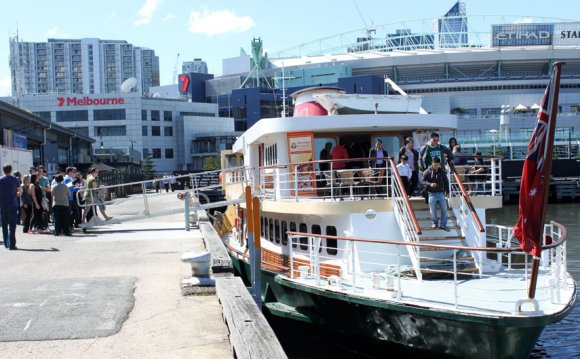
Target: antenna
{"type": "Point", "coordinates": [174, 79]}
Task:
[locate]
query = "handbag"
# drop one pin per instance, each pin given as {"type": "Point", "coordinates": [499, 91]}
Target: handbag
{"type": "Point", "coordinates": [45, 204]}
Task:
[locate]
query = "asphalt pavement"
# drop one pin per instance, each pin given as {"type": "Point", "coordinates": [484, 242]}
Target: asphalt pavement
{"type": "Point", "coordinates": [114, 292]}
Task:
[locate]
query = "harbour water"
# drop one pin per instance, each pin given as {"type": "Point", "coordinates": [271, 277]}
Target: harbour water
{"type": "Point", "coordinates": [561, 340]}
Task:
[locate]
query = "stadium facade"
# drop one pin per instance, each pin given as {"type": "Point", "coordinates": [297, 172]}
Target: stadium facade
{"type": "Point", "coordinates": [492, 80]}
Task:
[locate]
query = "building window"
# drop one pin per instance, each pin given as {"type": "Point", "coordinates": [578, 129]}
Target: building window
{"type": "Point", "coordinates": [154, 115]}
{"type": "Point", "coordinates": [109, 115]}
{"type": "Point", "coordinates": [168, 131]}
{"type": "Point", "coordinates": [167, 116]}
{"type": "Point", "coordinates": [145, 152]}
{"type": "Point", "coordinates": [72, 116]}
{"type": "Point", "coordinates": [490, 112]}
{"type": "Point", "coordinates": [331, 244]}
{"type": "Point", "coordinates": [80, 130]}
{"type": "Point", "coordinates": [111, 131]}
{"type": "Point", "coordinates": [144, 131]}
{"type": "Point", "coordinates": [155, 131]}
{"type": "Point", "coordinates": [271, 155]}
{"type": "Point", "coordinates": [143, 115]}
{"type": "Point", "coordinates": [169, 153]}
{"type": "Point", "coordinates": [156, 153]}
{"type": "Point", "coordinates": [45, 115]}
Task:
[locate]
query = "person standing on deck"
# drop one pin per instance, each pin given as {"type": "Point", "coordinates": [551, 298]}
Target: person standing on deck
{"type": "Point", "coordinates": [405, 173]}
{"type": "Point", "coordinates": [431, 150]}
{"type": "Point", "coordinates": [325, 155]}
{"type": "Point", "coordinates": [413, 161]}
{"type": "Point", "coordinates": [437, 185]}
{"type": "Point", "coordinates": [339, 153]}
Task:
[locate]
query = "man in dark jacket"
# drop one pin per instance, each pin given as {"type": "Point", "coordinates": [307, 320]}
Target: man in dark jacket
{"type": "Point", "coordinates": [413, 156]}
{"type": "Point", "coordinates": [9, 202]}
{"type": "Point", "coordinates": [378, 155]}
{"type": "Point", "coordinates": [437, 185]}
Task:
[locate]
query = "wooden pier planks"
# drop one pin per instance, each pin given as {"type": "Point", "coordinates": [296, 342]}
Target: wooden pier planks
{"type": "Point", "coordinates": [250, 334]}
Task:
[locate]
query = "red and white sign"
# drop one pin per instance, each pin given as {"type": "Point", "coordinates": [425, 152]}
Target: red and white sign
{"type": "Point", "coordinates": [87, 101]}
{"type": "Point", "coordinates": [183, 83]}
{"type": "Point", "coordinates": [301, 154]}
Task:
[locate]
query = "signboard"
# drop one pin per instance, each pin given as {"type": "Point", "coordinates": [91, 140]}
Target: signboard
{"type": "Point", "coordinates": [522, 35]}
{"type": "Point", "coordinates": [566, 34]}
{"type": "Point", "coordinates": [184, 83]}
{"type": "Point", "coordinates": [14, 139]}
{"type": "Point", "coordinates": [87, 101]}
{"type": "Point", "coordinates": [301, 155]}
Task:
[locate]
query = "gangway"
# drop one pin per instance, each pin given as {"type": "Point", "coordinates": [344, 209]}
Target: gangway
{"type": "Point", "coordinates": [141, 200]}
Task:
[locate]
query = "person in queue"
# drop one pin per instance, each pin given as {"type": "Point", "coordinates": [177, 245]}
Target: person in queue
{"type": "Point", "coordinates": [9, 202]}
{"type": "Point", "coordinates": [437, 186]}
{"type": "Point", "coordinates": [413, 161]}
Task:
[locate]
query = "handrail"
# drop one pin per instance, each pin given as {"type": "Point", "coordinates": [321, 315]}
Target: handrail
{"type": "Point", "coordinates": [441, 246]}
{"type": "Point", "coordinates": [466, 197]}
{"type": "Point", "coordinates": [405, 196]}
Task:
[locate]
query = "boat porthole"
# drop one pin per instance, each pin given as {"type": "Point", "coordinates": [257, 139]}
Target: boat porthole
{"type": "Point", "coordinates": [370, 214]}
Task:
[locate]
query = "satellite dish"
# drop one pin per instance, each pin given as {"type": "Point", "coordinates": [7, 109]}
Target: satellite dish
{"type": "Point", "coordinates": [129, 84]}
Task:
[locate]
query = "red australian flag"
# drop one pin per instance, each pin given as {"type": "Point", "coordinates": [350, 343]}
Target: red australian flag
{"type": "Point", "coordinates": [529, 228]}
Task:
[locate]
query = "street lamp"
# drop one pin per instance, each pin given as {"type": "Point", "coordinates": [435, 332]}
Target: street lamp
{"type": "Point", "coordinates": [494, 136]}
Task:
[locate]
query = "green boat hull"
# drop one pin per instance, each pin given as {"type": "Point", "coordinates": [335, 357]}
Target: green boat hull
{"type": "Point", "coordinates": [422, 328]}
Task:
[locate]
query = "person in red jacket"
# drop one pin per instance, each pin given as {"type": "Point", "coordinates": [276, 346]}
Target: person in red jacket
{"type": "Point", "coordinates": [339, 153]}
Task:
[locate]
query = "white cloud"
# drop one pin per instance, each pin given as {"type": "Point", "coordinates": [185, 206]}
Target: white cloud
{"type": "Point", "coordinates": [112, 15]}
{"type": "Point", "coordinates": [168, 17]}
{"type": "Point", "coordinates": [146, 12]}
{"type": "Point", "coordinates": [218, 22]}
{"type": "Point", "coordinates": [55, 32]}
{"type": "Point", "coordinates": [5, 86]}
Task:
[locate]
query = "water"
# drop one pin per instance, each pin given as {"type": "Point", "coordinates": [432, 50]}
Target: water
{"type": "Point", "coordinates": [561, 340]}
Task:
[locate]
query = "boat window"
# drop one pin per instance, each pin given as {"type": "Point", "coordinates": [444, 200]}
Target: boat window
{"type": "Point", "coordinates": [303, 240]}
{"type": "Point", "coordinates": [270, 230]}
{"type": "Point", "coordinates": [331, 244]}
{"type": "Point", "coordinates": [265, 228]}
{"type": "Point", "coordinates": [277, 231]}
{"type": "Point", "coordinates": [317, 230]}
{"type": "Point", "coordinates": [271, 156]}
{"type": "Point", "coordinates": [284, 234]}
{"type": "Point", "coordinates": [293, 229]}
{"type": "Point", "coordinates": [262, 226]}
{"type": "Point", "coordinates": [391, 143]}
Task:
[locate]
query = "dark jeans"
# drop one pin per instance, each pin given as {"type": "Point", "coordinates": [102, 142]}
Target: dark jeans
{"type": "Point", "coordinates": [26, 223]}
{"type": "Point", "coordinates": [9, 226]}
{"type": "Point", "coordinates": [414, 182]}
{"type": "Point", "coordinates": [61, 219]}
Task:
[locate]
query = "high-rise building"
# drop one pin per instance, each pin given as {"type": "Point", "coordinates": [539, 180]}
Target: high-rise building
{"type": "Point", "coordinates": [197, 65]}
{"type": "Point", "coordinates": [451, 29]}
{"type": "Point", "coordinates": [85, 66]}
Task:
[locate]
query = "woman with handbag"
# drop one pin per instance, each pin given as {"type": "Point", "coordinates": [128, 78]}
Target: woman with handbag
{"type": "Point", "coordinates": [37, 210]}
{"type": "Point", "coordinates": [25, 204]}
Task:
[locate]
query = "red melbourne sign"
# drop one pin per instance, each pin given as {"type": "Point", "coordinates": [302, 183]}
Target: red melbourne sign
{"type": "Point", "coordinates": [183, 83]}
{"type": "Point", "coordinates": [87, 101]}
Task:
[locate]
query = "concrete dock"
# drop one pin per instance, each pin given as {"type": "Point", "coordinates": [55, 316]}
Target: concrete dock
{"type": "Point", "coordinates": [114, 292]}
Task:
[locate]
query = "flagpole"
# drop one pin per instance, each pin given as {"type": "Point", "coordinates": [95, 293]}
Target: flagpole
{"type": "Point", "coordinates": [546, 176]}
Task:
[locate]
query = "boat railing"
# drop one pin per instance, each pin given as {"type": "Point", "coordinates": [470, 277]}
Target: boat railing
{"type": "Point", "coordinates": [405, 215]}
{"type": "Point", "coordinates": [237, 175]}
{"type": "Point", "coordinates": [483, 179]}
{"type": "Point", "coordinates": [357, 265]}
{"type": "Point", "coordinates": [328, 179]}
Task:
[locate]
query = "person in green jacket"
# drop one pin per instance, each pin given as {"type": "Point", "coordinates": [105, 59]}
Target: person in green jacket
{"type": "Point", "coordinates": [431, 150]}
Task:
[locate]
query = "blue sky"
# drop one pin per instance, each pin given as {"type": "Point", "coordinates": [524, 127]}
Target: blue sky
{"type": "Point", "coordinates": [214, 30]}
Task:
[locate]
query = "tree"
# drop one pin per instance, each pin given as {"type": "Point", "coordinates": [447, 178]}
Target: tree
{"type": "Point", "coordinates": [148, 168]}
{"type": "Point", "coordinates": [212, 163]}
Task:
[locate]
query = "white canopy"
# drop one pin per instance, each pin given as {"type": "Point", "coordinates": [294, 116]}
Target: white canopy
{"type": "Point", "coordinates": [535, 107]}
{"type": "Point", "coordinates": [521, 107]}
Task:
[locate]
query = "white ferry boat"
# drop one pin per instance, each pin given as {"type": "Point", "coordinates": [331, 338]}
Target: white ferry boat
{"type": "Point", "coordinates": [345, 246]}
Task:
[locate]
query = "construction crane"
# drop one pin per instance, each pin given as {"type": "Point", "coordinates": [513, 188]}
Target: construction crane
{"type": "Point", "coordinates": [369, 31]}
{"type": "Point", "coordinates": [174, 79]}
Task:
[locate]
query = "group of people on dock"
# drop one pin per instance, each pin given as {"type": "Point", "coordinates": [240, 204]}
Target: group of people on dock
{"type": "Point", "coordinates": [420, 171]}
{"type": "Point", "coordinates": [35, 202]}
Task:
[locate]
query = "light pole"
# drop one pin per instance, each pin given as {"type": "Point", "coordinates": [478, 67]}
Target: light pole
{"type": "Point", "coordinates": [494, 137]}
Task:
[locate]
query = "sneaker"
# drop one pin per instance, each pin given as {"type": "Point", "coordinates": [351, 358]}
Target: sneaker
{"type": "Point", "coordinates": [107, 218]}
{"type": "Point", "coordinates": [32, 232]}
{"type": "Point", "coordinates": [433, 226]}
{"type": "Point", "coordinates": [446, 229]}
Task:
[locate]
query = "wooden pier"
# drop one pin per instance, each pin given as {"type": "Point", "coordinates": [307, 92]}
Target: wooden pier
{"type": "Point", "coordinates": [250, 334]}
{"type": "Point", "coordinates": [561, 189]}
